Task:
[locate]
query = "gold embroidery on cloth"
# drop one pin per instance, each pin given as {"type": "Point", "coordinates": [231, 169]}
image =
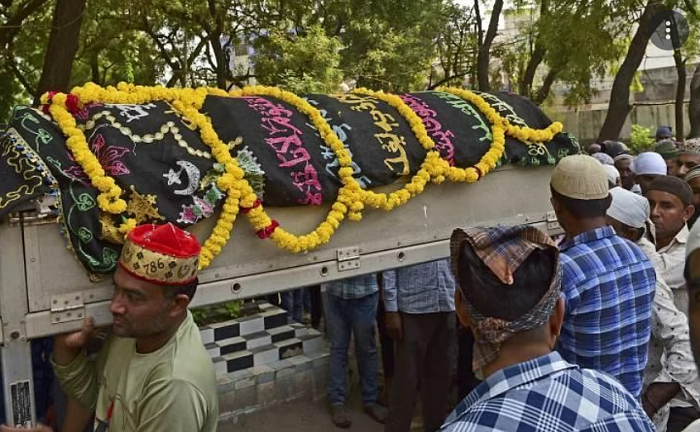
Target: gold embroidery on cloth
{"type": "Point", "coordinates": [110, 232]}
{"type": "Point", "coordinates": [166, 128]}
{"type": "Point", "coordinates": [21, 165]}
{"type": "Point", "coordinates": [156, 266]}
{"type": "Point", "coordinates": [143, 207]}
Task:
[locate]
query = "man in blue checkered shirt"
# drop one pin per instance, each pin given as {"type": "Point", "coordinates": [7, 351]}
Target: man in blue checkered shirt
{"type": "Point", "coordinates": [509, 293]}
{"type": "Point", "coordinates": [608, 282]}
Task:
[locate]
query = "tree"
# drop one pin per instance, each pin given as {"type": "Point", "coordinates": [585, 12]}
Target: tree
{"type": "Point", "coordinates": [619, 107]}
{"type": "Point", "coordinates": [306, 63]}
{"type": "Point", "coordinates": [485, 43]}
{"type": "Point", "coordinates": [16, 17]}
{"type": "Point", "coordinates": [63, 44]}
{"type": "Point", "coordinates": [694, 108]}
{"type": "Point", "coordinates": [456, 47]}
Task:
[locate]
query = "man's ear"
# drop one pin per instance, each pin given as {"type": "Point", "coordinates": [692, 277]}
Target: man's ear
{"type": "Point", "coordinates": [688, 212]}
{"type": "Point", "coordinates": [556, 320]}
{"type": "Point", "coordinates": [179, 305]}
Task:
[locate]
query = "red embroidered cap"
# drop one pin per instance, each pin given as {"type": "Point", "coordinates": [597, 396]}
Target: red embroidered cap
{"type": "Point", "coordinates": [161, 254]}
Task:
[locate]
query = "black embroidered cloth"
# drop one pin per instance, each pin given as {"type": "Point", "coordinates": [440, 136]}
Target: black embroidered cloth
{"type": "Point", "coordinates": [168, 174]}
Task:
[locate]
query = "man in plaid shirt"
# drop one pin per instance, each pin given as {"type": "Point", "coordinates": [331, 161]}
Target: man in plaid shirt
{"type": "Point", "coordinates": [509, 293]}
{"type": "Point", "coordinates": [608, 283]}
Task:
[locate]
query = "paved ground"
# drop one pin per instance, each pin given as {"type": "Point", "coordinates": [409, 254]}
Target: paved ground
{"type": "Point", "coordinates": [306, 416]}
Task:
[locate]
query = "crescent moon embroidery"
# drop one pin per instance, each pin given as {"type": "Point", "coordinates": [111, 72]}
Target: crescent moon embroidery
{"type": "Point", "coordinates": [192, 178]}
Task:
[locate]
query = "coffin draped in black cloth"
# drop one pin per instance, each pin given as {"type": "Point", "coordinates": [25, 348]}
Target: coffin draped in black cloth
{"type": "Point", "coordinates": [168, 174]}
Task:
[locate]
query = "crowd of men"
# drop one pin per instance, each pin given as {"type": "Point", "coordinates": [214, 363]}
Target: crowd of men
{"type": "Point", "coordinates": [596, 332]}
{"type": "Point", "coordinates": [588, 334]}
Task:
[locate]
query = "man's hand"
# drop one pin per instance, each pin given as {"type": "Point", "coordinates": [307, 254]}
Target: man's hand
{"type": "Point", "coordinates": [393, 325]}
{"type": "Point", "coordinates": [37, 428]}
{"type": "Point", "coordinates": [68, 346]}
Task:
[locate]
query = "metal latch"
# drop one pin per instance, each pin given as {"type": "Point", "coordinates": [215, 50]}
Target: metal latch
{"type": "Point", "coordinates": [67, 307]}
{"type": "Point", "coordinates": [552, 221]}
{"type": "Point", "coordinates": [348, 258]}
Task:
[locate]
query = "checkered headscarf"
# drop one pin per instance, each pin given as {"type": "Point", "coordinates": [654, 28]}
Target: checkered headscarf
{"type": "Point", "coordinates": [502, 250]}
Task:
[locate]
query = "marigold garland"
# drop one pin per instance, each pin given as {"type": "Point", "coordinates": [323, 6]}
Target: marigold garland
{"type": "Point", "coordinates": [351, 199]}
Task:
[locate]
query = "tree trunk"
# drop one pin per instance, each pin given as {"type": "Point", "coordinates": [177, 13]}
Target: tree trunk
{"type": "Point", "coordinates": [694, 109]}
{"type": "Point", "coordinates": [543, 92]}
{"type": "Point", "coordinates": [63, 44]}
{"type": "Point", "coordinates": [525, 84]}
{"type": "Point", "coordinates": [482, 67]}
{"type": "Point", "coordinates": [680, 92]}
{"type": "Point", "coordinates": [525, 87]}
{"type": "Point", "coordinates": [619, 107]}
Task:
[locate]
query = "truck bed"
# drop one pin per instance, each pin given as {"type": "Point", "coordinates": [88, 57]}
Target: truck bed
{"type": "Point", "coordinates": [46, 277]}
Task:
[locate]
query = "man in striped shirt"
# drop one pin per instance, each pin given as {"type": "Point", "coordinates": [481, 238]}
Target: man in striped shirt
{"type": "Point", "coordinates": [608, 283]}
{"type": "Point", "coordinates": [420, 317]}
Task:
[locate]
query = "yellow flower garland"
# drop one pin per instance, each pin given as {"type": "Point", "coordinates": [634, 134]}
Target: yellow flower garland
{"type": "Point", "coordinates": [351, 198]}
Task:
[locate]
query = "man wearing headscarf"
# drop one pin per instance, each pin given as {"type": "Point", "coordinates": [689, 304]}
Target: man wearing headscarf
{"type": "Point", "coordinates": [670, 377]}
{"type": "Point", "coordinates": [623, 164]}
{"type": "Point", "coordinates": [509, 281]}
{"type": "Point", "coordinates": [671, 202]}
{"type": "Point", "coordinates": [669, 151]}
{"type": "Point", "coordinates": [153, 373]}
{"type": "Point", "coordinates": [688, 156]}
{"type": "Point", "coordinates": [648, 167]}
{"type": "Point", "coordinates": [693, 180]}
{"type": "Point", "coordinates": [608, 283]}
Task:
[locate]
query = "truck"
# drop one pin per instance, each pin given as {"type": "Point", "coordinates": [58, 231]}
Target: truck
{"type": "Point", "coordinates": [45, 290]}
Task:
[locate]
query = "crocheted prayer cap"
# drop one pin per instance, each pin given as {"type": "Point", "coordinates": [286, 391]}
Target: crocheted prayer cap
{"type": "Point", "coordinates": [580, 177]}
{"type": "Point", "coordinates": [691, 146]}
{"type": "Point", "coordinates": [161, 254]}
{"type": "Point", "coordinates": [667, 149]}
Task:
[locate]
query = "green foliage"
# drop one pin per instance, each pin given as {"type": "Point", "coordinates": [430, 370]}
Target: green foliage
{"type": "Point", "coordinates": [217, 313]}
{"type": "Point", "coordinates": [307, 63]}
{"type": "Point", "coordinates": [641, 139]}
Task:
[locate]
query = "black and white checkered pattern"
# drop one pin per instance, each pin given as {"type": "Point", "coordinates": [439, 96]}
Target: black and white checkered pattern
{"type": "Point", "coordinates": [257, 340]}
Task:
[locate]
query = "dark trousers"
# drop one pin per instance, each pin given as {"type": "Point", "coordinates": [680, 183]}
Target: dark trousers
{"type": "Point", "coordinates": [680, 418]}
{"type": "Point", "coordinates": [423, 363]}
{"type": "Point", "coordinates": [316, 300]}
{"type": "Point", "coordinates": [387, 344]}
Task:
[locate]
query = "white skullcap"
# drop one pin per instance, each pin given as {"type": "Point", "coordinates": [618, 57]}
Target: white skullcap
{"type": "Point", "coordinates": [612, 173]}
{"type": "Point", "coordinates": [603, 158]}
{"type": "Point", "coordinates": [649, 163]}
{"type": "Point", "coordinates": [629, 208]}
{"type": "Point", "coordinates": [693, 240]}
{"type": "Point", "coordinates": [580, 177]}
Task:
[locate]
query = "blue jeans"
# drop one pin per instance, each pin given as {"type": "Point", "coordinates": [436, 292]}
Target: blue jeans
{"type": "Point", "coordinates": [356, 316]}
{"type": "Point", "coordinates": [292, 302]}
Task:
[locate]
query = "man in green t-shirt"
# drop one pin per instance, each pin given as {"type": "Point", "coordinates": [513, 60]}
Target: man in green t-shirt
{"type": "Point", "coordinates": [153, 373]}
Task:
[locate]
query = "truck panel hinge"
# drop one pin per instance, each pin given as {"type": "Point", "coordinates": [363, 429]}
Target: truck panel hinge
{"type": "Point", "coordinates": [67, 307]}
{"type": "Point", "coordinates": [552, 221]}
{"type": "Point", "coordinates": [348, 258]}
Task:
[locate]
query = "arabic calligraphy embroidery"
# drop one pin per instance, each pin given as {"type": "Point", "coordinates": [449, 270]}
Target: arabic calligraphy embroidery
{"type": "Point", "coordinates": [285, 139]}
{"type": "Point", "coordinates": [389, 141]}
{"type": "Point", "coordinates": [442, 138]}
